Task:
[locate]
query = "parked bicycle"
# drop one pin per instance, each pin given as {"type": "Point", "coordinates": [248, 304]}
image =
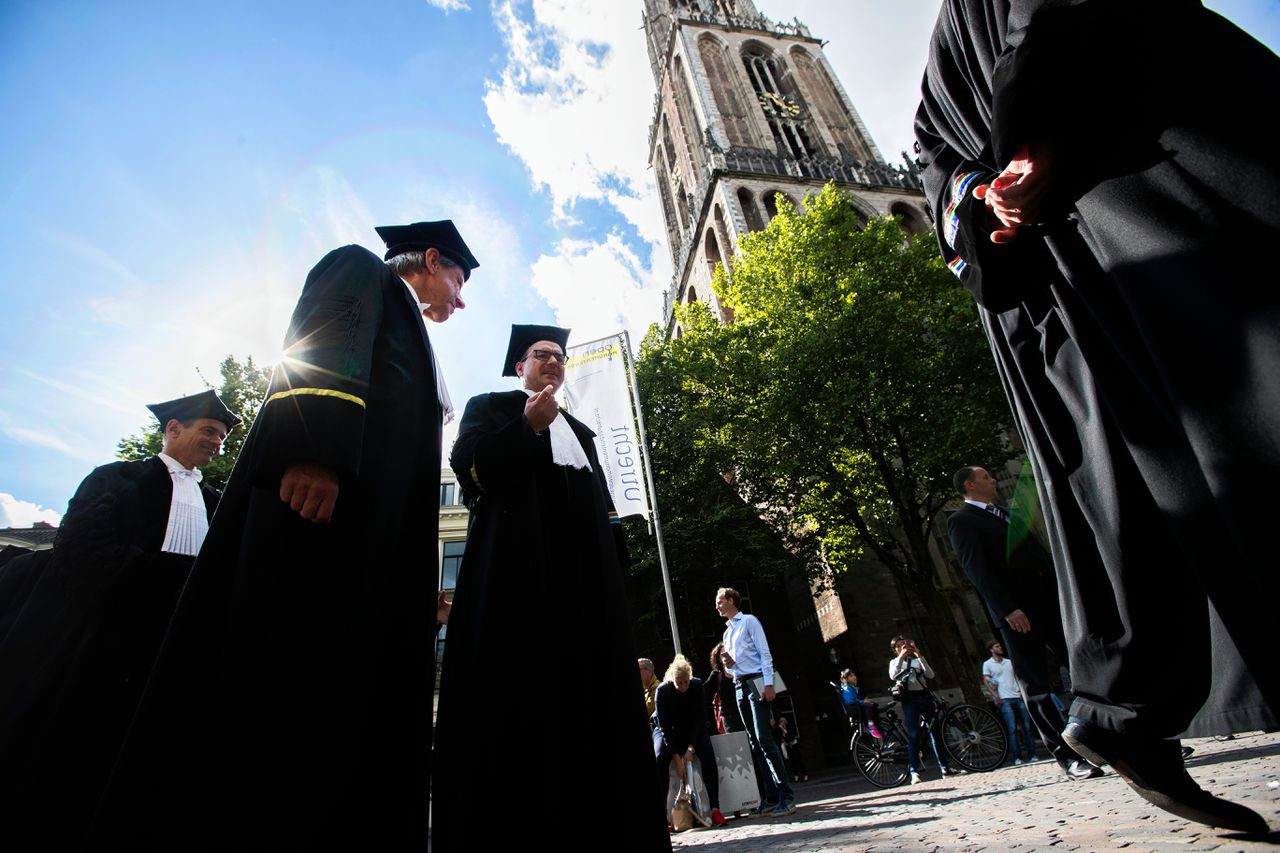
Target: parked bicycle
{"type": "Point", "coordinates": [973, 738]}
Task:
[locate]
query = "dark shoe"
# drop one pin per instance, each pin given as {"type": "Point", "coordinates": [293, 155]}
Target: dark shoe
{"type": "Point", "coordinates": [1188, 751]}
{"type": "Point", "coordinates": [1154, 769]}
{"type": "Point", "coordinates": [1080, 770]}
{"type": "Point", "coordinates": [785, 807]}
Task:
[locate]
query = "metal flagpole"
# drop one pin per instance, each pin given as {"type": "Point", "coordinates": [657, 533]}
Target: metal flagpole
{"type": "Point", "coordinates": [653, 493]}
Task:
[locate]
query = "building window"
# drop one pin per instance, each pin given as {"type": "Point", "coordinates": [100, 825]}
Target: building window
{"type": "Point", "coordinates": [449, 567]}
{"type": "Point", "coordinates": [780, 104]}
{"type": "Point", "coordinates": [448, 491]}
{"type": "Point", "coordinates": [750, 211]}
{"type": "Point", "coordinates": [910, 220]}
{"type": "Point", "coordinates": [770, 199]}
{"type": "Point", "coordinates": [452, 561]}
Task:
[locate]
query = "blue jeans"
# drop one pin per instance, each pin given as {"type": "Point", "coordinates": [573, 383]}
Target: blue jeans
{"type": "Point", "coordinates": [915, 705]}
{"type": "Point", "coordinates": [1016, 709]}
{"type": "Point", "coordinates": [756, 714]}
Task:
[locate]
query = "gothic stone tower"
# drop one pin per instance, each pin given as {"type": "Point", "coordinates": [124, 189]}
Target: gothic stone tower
{"type": "Point", "coordinates": [747, 109]}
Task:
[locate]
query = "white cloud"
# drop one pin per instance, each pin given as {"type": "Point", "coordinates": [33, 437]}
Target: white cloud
{"type": "Point", "coordinates": [87, 389]}
{"type": "Point", "coordinates": [19, 513]}
{"type": "Point", "coordinates": [38, 438]}
{"type": "Point", "coordinates": [598, 289]}
{"type": "Point", "coordinates": [450, 5]}
{"type": "Point", "coordinates": [574, 103]}
{"type": "Point", "coordinates": [575, 98]}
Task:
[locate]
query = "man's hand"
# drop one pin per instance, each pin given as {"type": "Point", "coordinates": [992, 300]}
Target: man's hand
{"type": "Point", "coordinates": [1017, 195]}
{"type": "Point", "coordinates": [1018, 621]}
{"type": "Point", "coordinates": [768, 693]}
{"type": "Point", "coordinates": [679, 762]}
{"type": "Point", "coordinates": [541, 409]}
{"type": "Point", "coordinates": [310, 490]}
{"type": "Point", "coordinates": [443, 606]}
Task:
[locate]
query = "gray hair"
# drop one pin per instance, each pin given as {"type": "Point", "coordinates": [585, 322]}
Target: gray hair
{"type": "Point", "coordinates": [408, 263]}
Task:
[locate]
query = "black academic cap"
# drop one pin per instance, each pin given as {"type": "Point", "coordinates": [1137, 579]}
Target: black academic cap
{"type": "Point", "coordinates": [441, 236]}
{"type": "Point", "coordinates": [203, 405]}
{"type": "Point", "coordinates": [523, 337]}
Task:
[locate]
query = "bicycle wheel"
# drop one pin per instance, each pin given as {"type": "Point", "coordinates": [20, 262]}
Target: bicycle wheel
{"type": "Point", "coordinates": [882, 761]}
{"type": "Point", "coordinates": [974, 738]}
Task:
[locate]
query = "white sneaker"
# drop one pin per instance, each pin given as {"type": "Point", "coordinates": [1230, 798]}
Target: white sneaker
{"type": "Point", "coordinates": [915, 778]}
{"type": "Point", "coordinates": [1017, 761]}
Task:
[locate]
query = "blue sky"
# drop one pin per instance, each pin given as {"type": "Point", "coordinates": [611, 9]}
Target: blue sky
{"type": "Point", "coordinates": [170, 171]}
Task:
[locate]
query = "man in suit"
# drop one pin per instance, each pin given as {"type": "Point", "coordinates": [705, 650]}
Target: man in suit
{"type": "Point", "coordinates": [82, 642]}
{"type": "Point", "coordinates": [544, 566]}
{"type": "Point", "coordinates": [1014, 576]}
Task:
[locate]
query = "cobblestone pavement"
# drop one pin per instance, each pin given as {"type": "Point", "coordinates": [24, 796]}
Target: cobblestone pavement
{"type": "Point", "coordinates": [1032, 807]}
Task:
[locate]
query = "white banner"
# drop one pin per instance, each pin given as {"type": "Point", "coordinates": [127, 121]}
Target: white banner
{"type": "Point", "coordinates": [598, 394]}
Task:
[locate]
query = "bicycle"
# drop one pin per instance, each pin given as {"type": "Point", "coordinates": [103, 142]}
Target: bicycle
{"type": "Point", "coordinates": [972, 737]}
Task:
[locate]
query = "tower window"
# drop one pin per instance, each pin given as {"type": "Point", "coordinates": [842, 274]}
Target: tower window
{"type": "Point", "coordinates": [779, 103]}
{"type": "Point", "coordinates": [750, 211]}
{"type": "Point", "coordinates": [771, 202]}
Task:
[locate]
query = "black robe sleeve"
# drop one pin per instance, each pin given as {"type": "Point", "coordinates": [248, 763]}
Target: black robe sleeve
{"type": "Point", "coordinates": [496, 448]}
{"type": "Point", "coordinates": [99, 541]}
{"type": "Point", "coordinates": [315, 406]}
{"type": "Point", "coordinates": [1002, 75]}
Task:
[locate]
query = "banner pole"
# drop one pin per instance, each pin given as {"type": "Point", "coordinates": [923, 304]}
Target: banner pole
{"type": "Point", "coordinates": [653, 493]}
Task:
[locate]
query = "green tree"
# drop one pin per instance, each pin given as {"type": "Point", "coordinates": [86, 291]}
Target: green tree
{"type": "Point", "coordinates": [852, 382]}
{"type": "Point", "coordinates": [712, 536]}
{"type": "Point", "coordinates": [242, 388]}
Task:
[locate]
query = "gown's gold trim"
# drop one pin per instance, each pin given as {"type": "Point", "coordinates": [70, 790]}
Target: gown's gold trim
{"type": "Point", "coordinates": [317, 392]}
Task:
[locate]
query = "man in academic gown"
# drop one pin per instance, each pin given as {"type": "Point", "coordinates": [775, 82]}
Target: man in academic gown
{"type": "Point", "coordinates": [1014, 576]}
{"type": "Point", "coordinates": [1102, 187]}
{"type": "Point", "coordinates": [79, 645]}
{"type": "Point", "coordinates": [290, 707]}
{"type": "Point", "coordinates": [543, 570]}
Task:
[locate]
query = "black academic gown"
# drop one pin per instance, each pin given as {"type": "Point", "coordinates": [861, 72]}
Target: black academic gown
{"type": "Point", "coordinates": [290, 707]}
{"type": "Point", "coordinates": [1135, 331]}
{"type": "Point", "coordinates": [540, 589]}
{"type": "Point", "coordinates": [79, 645]}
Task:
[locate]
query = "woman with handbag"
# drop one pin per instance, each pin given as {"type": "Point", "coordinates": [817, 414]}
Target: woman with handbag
{"type": "Point", "coordinates": [681, 733]}
{"type": "Point", "coordinates": [910, 671]}
{"type": "Point", "coordinates": [721, 703]}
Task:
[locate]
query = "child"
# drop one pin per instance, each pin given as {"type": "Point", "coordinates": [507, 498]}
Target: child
{"type": "Point", "coordinates": [851, 693]}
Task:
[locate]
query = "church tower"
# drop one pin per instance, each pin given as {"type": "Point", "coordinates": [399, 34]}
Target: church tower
{"type": "Point", "coordinates": [747, 109]}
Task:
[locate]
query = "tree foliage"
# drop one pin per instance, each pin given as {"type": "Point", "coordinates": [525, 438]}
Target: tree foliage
{"type": "Point", "coordinates": [852, 382]}
{"type": "Point", "coordinates": [242, 388]}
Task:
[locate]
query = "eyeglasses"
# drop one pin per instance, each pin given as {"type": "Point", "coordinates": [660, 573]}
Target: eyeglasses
{"type": "Point", "coordinates": [548, 355]}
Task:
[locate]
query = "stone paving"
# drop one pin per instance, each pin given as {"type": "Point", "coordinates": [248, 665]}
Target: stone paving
{"type": "Point", "coordinates": [1031, 807]}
